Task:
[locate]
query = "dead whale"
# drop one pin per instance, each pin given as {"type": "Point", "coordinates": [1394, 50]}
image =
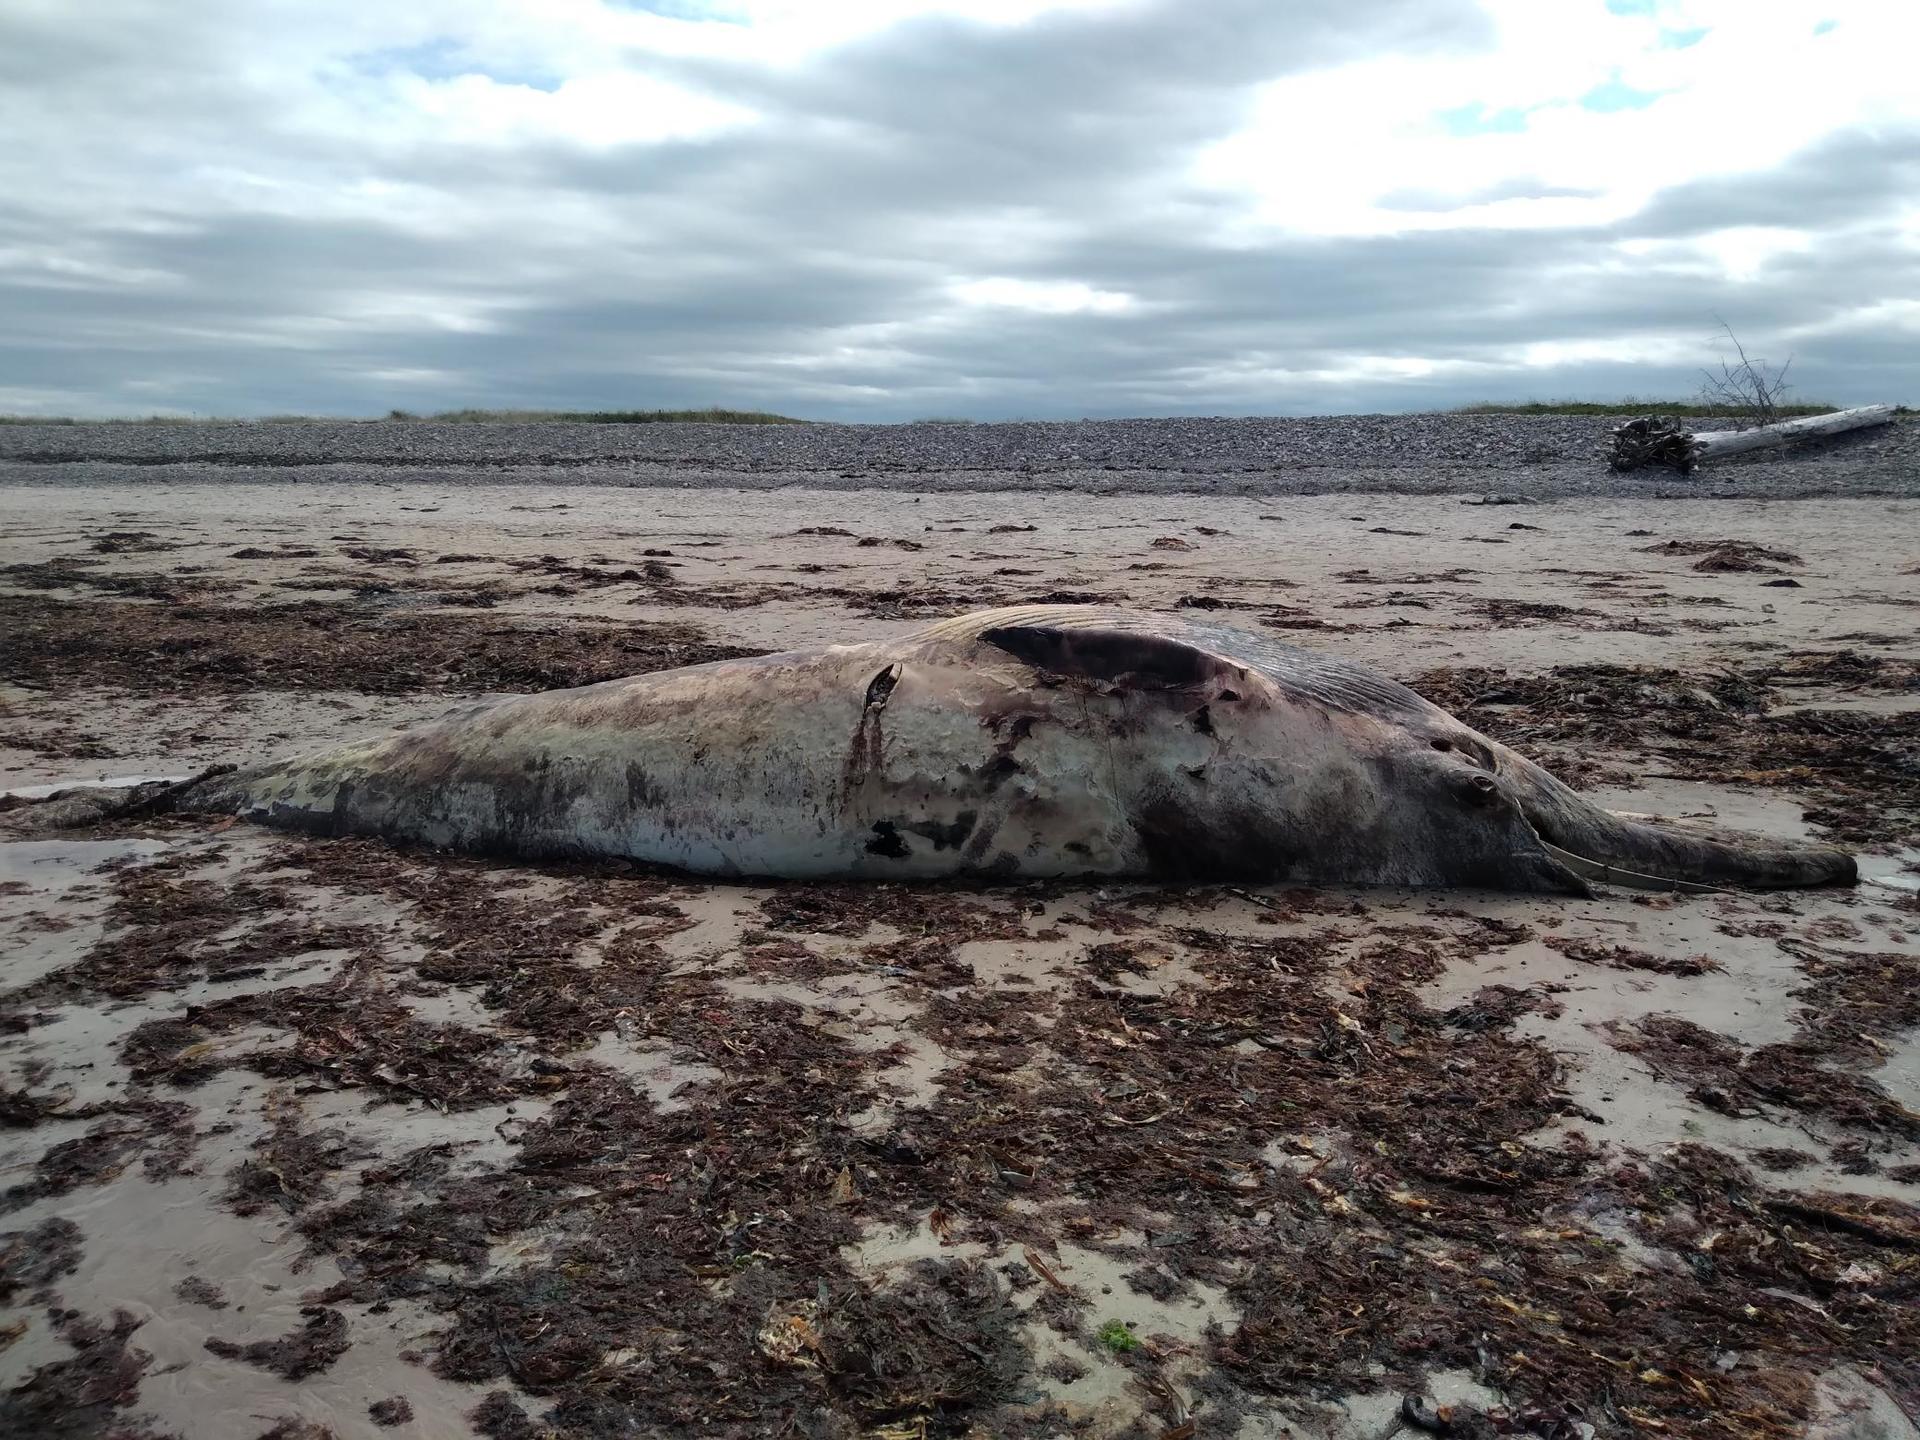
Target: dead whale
{"type": "Point", "coordinates": [1032, 741]}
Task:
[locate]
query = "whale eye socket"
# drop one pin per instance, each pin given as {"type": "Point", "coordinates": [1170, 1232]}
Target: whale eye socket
{"type": "Point", "coordinates": [1443, 745]}
{"type": "Point", "coordinates": [1479, 790]}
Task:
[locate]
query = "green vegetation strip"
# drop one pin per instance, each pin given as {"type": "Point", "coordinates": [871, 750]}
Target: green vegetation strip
{"type": "Point", "coordinates": [713, 416]}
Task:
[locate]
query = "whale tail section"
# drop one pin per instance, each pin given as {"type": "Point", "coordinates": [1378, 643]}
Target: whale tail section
{"type": "Point", "coordinates": [214, 789]}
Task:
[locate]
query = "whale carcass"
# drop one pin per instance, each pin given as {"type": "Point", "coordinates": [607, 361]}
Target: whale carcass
{"type": "Point", "coordinates": [1032, 741]}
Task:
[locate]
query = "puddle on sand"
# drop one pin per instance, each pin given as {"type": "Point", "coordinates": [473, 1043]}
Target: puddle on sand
{"type": "Point", "coordinates": [1848, 1406]}
{"type": "Point", "coordinates": [54, 919]}
{"type": "Point", "coordinates": [1903, 883]}
{"type": "Point", "coordinates": [62, 864]}
{"type": "Point", "coordinates": [1899, 1076]}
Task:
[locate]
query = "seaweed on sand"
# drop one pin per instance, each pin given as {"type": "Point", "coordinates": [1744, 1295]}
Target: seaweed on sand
{"type": "Point", "coordinates": [1862, 770]}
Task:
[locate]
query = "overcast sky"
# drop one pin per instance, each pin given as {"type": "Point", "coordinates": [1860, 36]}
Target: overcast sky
{"type": "Point", "coordinates": [893, 209]}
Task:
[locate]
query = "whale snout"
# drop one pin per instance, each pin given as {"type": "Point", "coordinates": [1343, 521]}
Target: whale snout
{"type": "Point", "coordinates": [1613, 849]}
{"type": "Point", "coordinates": [1547, 837]}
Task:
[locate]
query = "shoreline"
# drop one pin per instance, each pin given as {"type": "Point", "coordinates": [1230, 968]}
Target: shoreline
{"type": "Point", "coordinates": [1544, 457]}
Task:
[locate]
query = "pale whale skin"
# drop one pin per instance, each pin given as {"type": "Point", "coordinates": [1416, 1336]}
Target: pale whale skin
{"type": "Point", "coordinates": [1039, 741]}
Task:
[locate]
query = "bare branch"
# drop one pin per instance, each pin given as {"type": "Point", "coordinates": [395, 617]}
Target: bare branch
{"type": "Point", "coordinates": [1752, 388]}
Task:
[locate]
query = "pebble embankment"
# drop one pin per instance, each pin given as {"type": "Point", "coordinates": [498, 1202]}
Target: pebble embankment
{"type": "Point", "coordinates": [1544, 457]}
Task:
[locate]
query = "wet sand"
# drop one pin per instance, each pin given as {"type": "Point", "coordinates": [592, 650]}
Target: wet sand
{"type": "Point", "coordinates": [634, 1155]}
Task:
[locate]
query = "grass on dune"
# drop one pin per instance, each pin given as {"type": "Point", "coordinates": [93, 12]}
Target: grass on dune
{"type": "Point", "coordinates": [106, 419]}
{"type": "Point", "coordinates": [715, 415]}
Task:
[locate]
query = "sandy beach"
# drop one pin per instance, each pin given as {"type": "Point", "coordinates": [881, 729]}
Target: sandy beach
{"type": "Point", "coordinates": [331, 1134]}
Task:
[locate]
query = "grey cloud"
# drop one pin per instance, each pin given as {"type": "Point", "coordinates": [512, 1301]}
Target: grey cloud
{"type": "Point", "coordinates": [1852, 176]}
{"type": "Point", "coordinates": [805, 263]}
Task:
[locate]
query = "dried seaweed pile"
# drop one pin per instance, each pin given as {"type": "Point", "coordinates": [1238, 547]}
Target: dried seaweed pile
{"type": "Point", "coordinates": [1378, 1188]}
{"type": "Point", "coordinates": [78, 1398]}
{"type": "Point", "coordinates": [149, 649]}
{"type": "Point", "coordinates": [169, 929]}
{"type": "Point", "coordinates": [1863, 769]}
{"type": "Point", "coordinates": [82, 572]}
{"type": "Point", "coordinates": [1729, 556]}
{"type": "Point", "coordinates": [158, 1133]}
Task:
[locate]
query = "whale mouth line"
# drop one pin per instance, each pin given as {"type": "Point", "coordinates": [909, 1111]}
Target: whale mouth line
{"type": "Point", "coordinates": [1601, 872]}
{"type": "Point", "coordinates": [1648, 854]}
{"type": "Point", "coordinates": [1605, 874]}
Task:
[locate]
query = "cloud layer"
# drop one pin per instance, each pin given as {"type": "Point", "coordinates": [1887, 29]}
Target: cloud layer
{"type": "Point", "coordinates": [863, 210]}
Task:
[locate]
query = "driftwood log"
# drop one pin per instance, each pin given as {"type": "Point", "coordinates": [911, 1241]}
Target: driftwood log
{"type": "Point", "coordinates": [1663, 442]}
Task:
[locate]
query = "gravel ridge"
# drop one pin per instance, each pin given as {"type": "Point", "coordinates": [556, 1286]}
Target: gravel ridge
{"type": "Point", "coordinates": [1543, 455]}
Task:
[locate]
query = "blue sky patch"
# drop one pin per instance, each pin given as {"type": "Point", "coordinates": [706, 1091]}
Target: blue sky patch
{"type": "Point", "coordinates": [1616, 94]}
{"type": "Point", "coordinates": [1476, 119]}
{"type": "Point", "coordinates": [1681, 39]}
{"type": "Point", "coordinates": [687, 9]}
{"type": "Point", "coordinates": [443, 60]}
